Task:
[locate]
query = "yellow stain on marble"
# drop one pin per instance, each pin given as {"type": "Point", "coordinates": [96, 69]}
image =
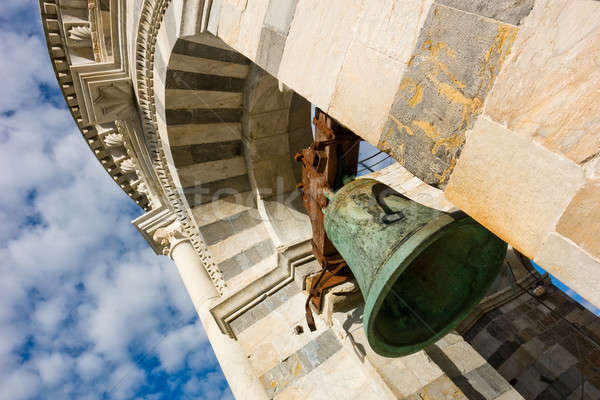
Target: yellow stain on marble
{"type": "Point", "coordinates": [417, 97]}
{"type": "Point", "coordinates": [451, 142]}
{"type": "Point", "coordinates": [470, 105]}
{"type": "Point", "coordinates": [414, 41]}
{"type": "Point", "coordinates": [446, 173]}
{"type": "Point", "coordinates": [506, 33]}
{"type": "Point", "coordinates": [453, 94]}
{"type": "Point", "coordinates": [400, 126]}
{"type": "Point", "coordinates": [400, 154]}
{"type": "Point", "coordinates": [298, 369]}
{"type": "Point", "coordinates": [428, 128]}
{"type": "Point", "coordinates": [416, 89]}
{"type": "Point", "coordinates": [434, 49]}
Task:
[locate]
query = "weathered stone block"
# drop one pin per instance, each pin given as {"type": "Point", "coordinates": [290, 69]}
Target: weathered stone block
{"type": "Point", "coordinates": [511, 11]}
{"type": "Point", "coordinates": [262, 94]}
{"type": "Point", "coordinates": [267, 124]}
{"type": "Point", "coordinates": [391, 28]}
{"type": "Point", "coordinates": [221, 230]}
{"type": "Point", "coordinates": [316, 46]}
{"type": "Point", "coordinates": [555, 361]}
{"type": "Point", "coordinates": [279, 15]}
{"type": "Point", "coordinates": [510, 395]}
{"type": "Point", "coordinates": [195, 81]}
{"type": "Point", "coordinates": [189, 63]}
{"type": "Point", "coordinates": [274, 176]}
{"type": "Point", "coordinates": [367, 82]}
{"type": "Point", "coordinates": [548, 86]}
{"type": "Point", "coordinates": [196, 174]}
{"type": "Point", "coordinates": [442, 388]}
{"type": "Point", "coordinates": [270, 50]}
{"type": "Point", "coordinates": [581, 220]}
{"type": "Point", "coordinates": [485, 343]}
{"type": "Point", "coordinates": [240, 24]}
{"type": "Point", "coordinates": [189, 99]}
{"type": "Point", "coordinates": [207, 52]}
{"type": "Point", "coordinates": [464, 357]}
{"type": "Point", "coordinates": [182, 156]}
{"type": "Point", "coordinates": [300, 363]}
{"type": "Point", "coordinates": [423, 367]}
{"type": "Point", "coordinates": [568, 263]}
{"type": "Point", "coordinates": [269, 147]}
{"type": "Point", "coordinates": [454, 65]}
{"type": "Point", "coordinates": [518, 362]}
{"type": "Point", "coordinates": [203, 193]}
{"type": "Point", "coordinates": [181, 135]}
{"type": "Point", "coordinates": [237, 242]}
{"type": "Point", "coordinates": [514, 187]}
{"type": "Point", "coordinates": [487, 382]}
{"type": "Point", "coordinates": [530, 385]}
{"type": "Point", "coordinates": [216, 151]}
{"type": "Point", "coordinates": [400, 379]}
{"type": "Point", "coordinates": [199, 116]}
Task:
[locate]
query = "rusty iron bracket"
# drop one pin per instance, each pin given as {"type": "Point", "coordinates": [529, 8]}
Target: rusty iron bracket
{"type": "Point", "coordinates": [325, 163]}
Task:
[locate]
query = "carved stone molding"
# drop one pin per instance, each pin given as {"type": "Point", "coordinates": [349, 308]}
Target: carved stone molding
{"type": "Point", "coordinates": [151, 18]}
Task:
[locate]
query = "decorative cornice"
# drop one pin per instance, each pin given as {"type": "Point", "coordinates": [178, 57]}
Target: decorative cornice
{"type": "Point", "coordinates": [61, 38]}
{"type": "Point", "coordinates": [151, 17]}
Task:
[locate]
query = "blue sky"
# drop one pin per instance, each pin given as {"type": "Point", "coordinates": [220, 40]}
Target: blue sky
{"type": "Point", "coordinates": [87, 310]}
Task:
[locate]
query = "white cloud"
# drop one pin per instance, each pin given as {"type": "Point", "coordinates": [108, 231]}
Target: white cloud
{"type": "Point", "coordinates": [89, 365]}
{"type": "Point", "coordinates": [176, 345]}
{"type": "Point", "coordinates": [20, 384]}
{"type": "Point", "coordinates": [86, 308]}
{"type": "Point", "coordinates": [22, 61]}
{"type": "Point", "coordinates": [50, 314]}
{"type": "Point", "coordinates": [53, 368]}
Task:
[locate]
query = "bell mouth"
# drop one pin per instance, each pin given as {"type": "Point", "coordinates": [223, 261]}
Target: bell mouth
{"type": "Point", "coordinates": [425, 293]}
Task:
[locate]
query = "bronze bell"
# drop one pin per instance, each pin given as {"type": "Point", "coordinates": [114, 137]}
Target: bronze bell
{"type": "Point", "coordinates": [420, 270]}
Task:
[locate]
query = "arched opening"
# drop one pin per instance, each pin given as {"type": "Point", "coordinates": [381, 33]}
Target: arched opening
{"type": "Point", "coordinates": [233, 135]}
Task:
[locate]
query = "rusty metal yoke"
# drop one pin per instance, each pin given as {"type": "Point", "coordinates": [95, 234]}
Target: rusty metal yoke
{"type": "Point", "coordinates": [331, 157]}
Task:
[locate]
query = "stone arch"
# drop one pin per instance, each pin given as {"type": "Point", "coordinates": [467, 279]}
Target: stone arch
{"type": "Point", "coordinates": [232, 136]}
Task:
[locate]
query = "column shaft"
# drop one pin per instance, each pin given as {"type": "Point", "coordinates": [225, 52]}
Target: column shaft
{"type": "Point", "coordinates": [231, 356]}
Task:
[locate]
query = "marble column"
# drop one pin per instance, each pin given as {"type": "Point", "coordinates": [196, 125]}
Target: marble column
{"type": "Point", "coordinates": [233, 360]}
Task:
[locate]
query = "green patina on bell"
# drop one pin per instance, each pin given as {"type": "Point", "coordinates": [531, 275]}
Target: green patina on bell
{"type": "Point", "coordinates": [420, 270]}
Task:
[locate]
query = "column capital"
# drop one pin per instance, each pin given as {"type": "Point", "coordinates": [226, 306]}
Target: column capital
{"type": "Point", "coordinates": [169, 236]}
{"type": "Point", "coordinates": [149, 223]}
